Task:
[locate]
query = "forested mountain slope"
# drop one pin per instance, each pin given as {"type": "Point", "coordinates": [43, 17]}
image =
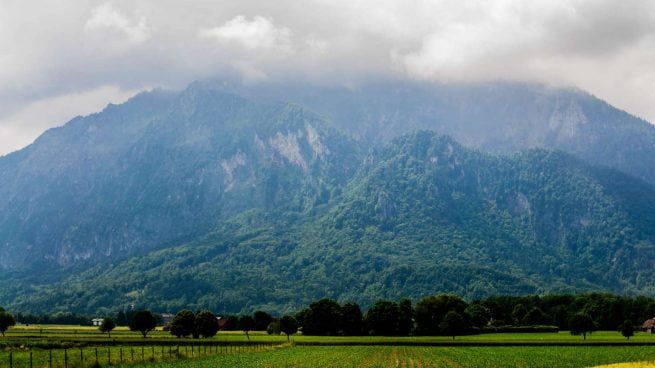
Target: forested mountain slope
{"type": "Point", "coordinates": [423, 214]}
{"type": "Point", "coordinates": [160, 170]}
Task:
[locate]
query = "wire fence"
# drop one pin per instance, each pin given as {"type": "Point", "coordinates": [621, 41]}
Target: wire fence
{"type": "Point", "coordinates": [116, 355]}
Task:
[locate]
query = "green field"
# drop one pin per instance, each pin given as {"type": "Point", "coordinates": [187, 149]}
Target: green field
{"type": "Point", "coordinates": [232, 349]}
{"type": "Point", "coordinates": [408, 356]}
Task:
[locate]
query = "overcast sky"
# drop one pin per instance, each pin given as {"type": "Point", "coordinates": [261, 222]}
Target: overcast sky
{"type": "Point", "coordinates": [62, 58]}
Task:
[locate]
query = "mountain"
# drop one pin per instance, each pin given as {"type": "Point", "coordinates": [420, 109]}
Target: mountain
{"type": "Point", "coordinates": [498, 118]}
{"type": "Point", "coordinates": [160, 170]}
{"type": "Point", "coordinates": [235, 198]}
{"type": "Point", "coordinates": [422, 215]}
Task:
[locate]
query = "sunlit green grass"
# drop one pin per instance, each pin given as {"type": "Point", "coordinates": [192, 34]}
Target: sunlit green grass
{"type": "Point", "coordinates": [410, 356]}
{"type": "Point", "coordinates": [233, 349]}
{"type": "Point", "coordinates": [35, 333]}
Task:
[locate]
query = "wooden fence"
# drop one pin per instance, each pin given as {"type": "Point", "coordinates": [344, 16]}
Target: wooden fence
{"type": "Point", "coordinates": [97, 356]}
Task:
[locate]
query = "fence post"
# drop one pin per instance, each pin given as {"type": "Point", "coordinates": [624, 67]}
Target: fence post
{"type": "Point", "coordinates": [81, 355]}
{"type": "Point", "coordinates": [65, 358]}
{"type": "Point", "coordinates": [120, 350]}
{"type": "Point", "coordinates": [96, 355]}
{"type": "Point", "coordinates": [30, 359]}
{"type": "Point", "coordinates": [50, 359]}
{"type": "Point", "coordinates": [11, 359]}
{"type": "Point", "coordinates": [108, 355]}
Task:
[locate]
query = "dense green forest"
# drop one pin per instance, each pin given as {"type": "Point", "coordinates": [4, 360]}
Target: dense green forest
{"type": "Point", "coordinates": [422, 214]}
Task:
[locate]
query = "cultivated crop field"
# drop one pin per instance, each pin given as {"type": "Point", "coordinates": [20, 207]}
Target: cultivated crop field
{"type": "Point", "coordinates": [410, 356]}
{"type": "Point", "coordinates": [82, 345]}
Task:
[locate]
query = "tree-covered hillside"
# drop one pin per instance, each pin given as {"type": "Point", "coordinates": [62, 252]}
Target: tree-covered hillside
{"type": "Point", "coordinates": [421, 215]}
{"type": "Point", "coordinates": [161, 170]}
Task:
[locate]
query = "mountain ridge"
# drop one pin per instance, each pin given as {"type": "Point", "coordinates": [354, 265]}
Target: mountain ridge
{"type": "Point", "coordinates": [218, 198]}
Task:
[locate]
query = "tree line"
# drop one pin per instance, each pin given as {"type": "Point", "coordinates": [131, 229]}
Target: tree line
{"type": "Point", "coordinates": [442, 314]}
{"type": "Point", "coordinates": [448, 314]}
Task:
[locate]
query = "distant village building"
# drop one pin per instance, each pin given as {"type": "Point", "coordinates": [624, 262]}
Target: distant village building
{"type": "Point", "coordinates": [97, 321]}
{"type": "Point", "coordinates": [649, 325]}
{"type": "Point", "coordinates": [221, 322]}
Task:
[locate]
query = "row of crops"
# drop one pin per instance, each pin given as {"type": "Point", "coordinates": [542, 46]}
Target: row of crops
{"type": "Point", "coordinates": [332, 356]}
{"type": "Point", "coordinates": [446, 357]}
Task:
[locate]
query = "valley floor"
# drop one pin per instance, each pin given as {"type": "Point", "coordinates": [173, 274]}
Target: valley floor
{"type": "Point", "coordinates": [43, 346]}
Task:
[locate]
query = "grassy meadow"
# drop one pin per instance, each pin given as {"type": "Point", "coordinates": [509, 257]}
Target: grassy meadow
{"type": "Point", "coordinates": [76, 346]}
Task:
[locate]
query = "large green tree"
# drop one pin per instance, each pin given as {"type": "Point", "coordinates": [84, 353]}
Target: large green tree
{"type": "Point", "coordinates": [322, 318]}
{"type": "Point", "coordinates": [107, 325]}
{"type": "Point", "coordinates": [206, 324]}
{"type": "Point", "coordinates": [453, 324]}
{"type": "Point", "coordinates": [288, 325]}
{"type": "Point", "coordinates": [262, 320]}
{"type": "Point", "coordinates": [183, 324]}
{"type": "Point", "coordinates": [382, 318]}
{"type": "Point", "coordinates": [430, 312]}
{"type": "Point", "coordinates": [478, 315]}
{"type": "Point", "coordinates": [627, 329]}
{"type": "Point", "coordinates": [351, 319]}
{"type": "Point", "coordinates": [581, 324]}
{"type": "Point", "coordinates": [246, 324]}
{"type": "Point", "coordinates": [6, 320]}
{"type": "Point", "coordinates": [143, 321]}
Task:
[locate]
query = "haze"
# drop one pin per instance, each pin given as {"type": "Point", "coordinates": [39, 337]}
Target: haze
{"type": "Point", "coordinates": [61, 59]}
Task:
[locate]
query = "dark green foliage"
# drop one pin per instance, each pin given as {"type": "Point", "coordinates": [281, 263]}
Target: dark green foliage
{"type": "Point", "coordinates": [581, 324]}
{"type": "Point", "coordinates": [518, 313]}
{"type": "Point", "coordinates": [57, 318]}
{"type": "Point", "coordinates": [352, 319]}
{"type": "Point", "coordinates": [206, 324]}
{"type": "Point", "coordinates": [627, 329]}
{"type": "Point", "coordinates": [231, 323]}
{"type": "Point", "coordinates": [431, 311]}
{"type": "Point", "coordinates": [323, 317]}
{"type": "Point", "coordinates": [405, 317]}
{"type": "Point", "coordinates": [121, 319]}
{"type": "Point", "coordinates": [419, 214]}
{"type": "Point", "coordinates": [143, 321]}
{"type": "Point", "coordinates": [288, 325]}
{"type": "Point", "coordinates": [382, 318]}
{"type": "Point", "coordinates": [262, 320]}
{"type": "Point", "coordinates": [183, 324]}
{"type": "Point", "coordinates": [478, 315]}
{"type": "Point", "coordinates": [273, 328]}
{"type": "Point", "coordinates": [246, 324]}
{"type": "Point", "coordinates": [453, 324]}
{"type": "Point", "coordinates": [535, 316]}
{"type": "Point", "coordinates": [6, 320]}
{"type": "Point", "coordinates": [107, 325]}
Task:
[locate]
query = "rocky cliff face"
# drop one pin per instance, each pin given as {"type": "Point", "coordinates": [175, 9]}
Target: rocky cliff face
{"type": "Point", "coordinates": [494, 117]}
{"type": "Point", "coordinates": [159, 170]}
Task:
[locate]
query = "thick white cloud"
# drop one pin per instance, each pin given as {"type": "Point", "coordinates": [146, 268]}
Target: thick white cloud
{"type": "Point", "coordinates": [108, 18]}
{"type": "Point", "coordinates": [51, 50]}
{"type": "Point", "coordinates": [257, 34]}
